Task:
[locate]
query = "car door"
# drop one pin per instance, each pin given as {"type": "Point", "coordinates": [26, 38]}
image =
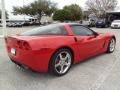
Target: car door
{"type": "Point", "coordinates": [88, 42]}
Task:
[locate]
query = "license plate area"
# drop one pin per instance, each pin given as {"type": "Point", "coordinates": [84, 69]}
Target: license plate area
{"type": "Point", "coordinates": [13, 51]}
{"type": "Point", "coordinates": [115, 25]}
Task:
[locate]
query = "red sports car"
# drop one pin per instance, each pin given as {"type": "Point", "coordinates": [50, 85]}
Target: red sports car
{"type": "Point", "coordinates": [56, 47]}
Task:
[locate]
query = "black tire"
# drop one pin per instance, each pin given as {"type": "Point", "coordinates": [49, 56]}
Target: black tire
{"type": "Point", "coordinates": [52, 68]}
{"type": "Point", "coordinates": [106, 26]}
{"type": "Point", "coordinates": [109, 50]}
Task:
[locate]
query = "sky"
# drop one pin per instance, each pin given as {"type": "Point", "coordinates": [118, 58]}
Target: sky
{"type": "Point", "coordinates": [61, 3]}
{"type": "Point", "coordinates": [10, 3]}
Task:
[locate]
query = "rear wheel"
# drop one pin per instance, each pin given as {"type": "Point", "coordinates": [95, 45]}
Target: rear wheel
{"type": "Point", "coordinates": [61, 62]}
{"type": "Point", "coordinates": [111, 46]}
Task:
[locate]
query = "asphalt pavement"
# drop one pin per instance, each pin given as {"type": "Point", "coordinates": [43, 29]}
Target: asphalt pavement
{"type": "Point", "coordinates": [101, 72]}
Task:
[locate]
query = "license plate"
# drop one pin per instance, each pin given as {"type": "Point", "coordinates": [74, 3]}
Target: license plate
{"type": "Point", "coordinates": [115, 25]}
{"type": "Point", "coordinates": [13, 51]}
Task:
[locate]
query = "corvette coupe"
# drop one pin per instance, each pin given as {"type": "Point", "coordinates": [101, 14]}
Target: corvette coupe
{"type": "Point", "coordinates": [56, 47]}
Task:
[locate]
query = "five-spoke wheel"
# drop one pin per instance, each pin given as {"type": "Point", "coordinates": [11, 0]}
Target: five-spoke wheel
{"type": "Point", "coordinates": [61, 62]}
{"type": "Point", "coordinates": [111, 46]}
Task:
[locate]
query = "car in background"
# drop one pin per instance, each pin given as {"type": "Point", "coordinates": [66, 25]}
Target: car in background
{"type": "Point", "coordinates": [56, 47]}
{"type": "Point", "coordinates": [27, 23]}
{"type": "Point", "coordinates": [81, 22]}
{"type": "Point", "coordinates": [102, 24]}
{"type": "Point", "coordinates": [10, 24]}
{"type": "Point", "coordinates": [92, 23]}
{"type": "Point", "coordinates": [115, 24]}
{"type": "Point", "coordinates": [19, 24]}
{"type": "Point", "coordinates": [86, 23]}
{"type": "Point", "coordinates": [15, 24]}
{"type": "Point", "coordinates": [89, 23]}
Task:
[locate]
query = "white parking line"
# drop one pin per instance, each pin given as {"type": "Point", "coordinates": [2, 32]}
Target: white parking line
{"type": "Point", "coordinates": [104, 75]}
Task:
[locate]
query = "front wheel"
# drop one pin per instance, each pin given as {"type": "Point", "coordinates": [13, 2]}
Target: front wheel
{"type": "Point", "coordinates": [61, 62]}
{"type": "Point", "coordinates": [111, 46]}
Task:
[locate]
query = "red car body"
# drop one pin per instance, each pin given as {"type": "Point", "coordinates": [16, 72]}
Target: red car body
{"type": "Point", "coordinates": [36, 51]}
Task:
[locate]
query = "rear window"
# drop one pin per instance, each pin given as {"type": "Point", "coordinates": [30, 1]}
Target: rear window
{"type": "Point", "coordinates": [46, 30]}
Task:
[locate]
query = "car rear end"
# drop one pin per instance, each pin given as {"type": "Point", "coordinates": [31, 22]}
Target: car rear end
{"type": "Point", "coordinates": [100, 24]}
{"type": "Point", "coordinates": [21, 53]}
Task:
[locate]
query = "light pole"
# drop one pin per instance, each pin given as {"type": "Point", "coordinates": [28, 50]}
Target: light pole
{"type": "Point", "coordinates": [23, 7]}
{"type": "Point", "coordinates": [3, 18]}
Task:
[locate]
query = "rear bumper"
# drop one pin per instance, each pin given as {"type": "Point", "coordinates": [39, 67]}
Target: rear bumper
{"type": "Point", "coordinates": [35, 60]}
{"type": "Point", "coordinates": [115, 27]}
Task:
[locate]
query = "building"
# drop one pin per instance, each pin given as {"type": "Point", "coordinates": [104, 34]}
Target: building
{"type": "Point", "coordinates": [113, 15]}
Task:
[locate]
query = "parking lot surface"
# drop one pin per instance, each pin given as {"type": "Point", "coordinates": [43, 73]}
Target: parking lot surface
{"type": "Point", "coordinates": [98, 73]}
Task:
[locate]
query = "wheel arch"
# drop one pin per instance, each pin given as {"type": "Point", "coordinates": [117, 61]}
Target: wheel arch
{"type": "Point", "coordinates": [62, 47]}
{"type": "Point", "coordinates": [67, 47]}
{"type": "Point", "coordinates": [108, 40]}
{"type": "Point", "coordinates": [114, 37]}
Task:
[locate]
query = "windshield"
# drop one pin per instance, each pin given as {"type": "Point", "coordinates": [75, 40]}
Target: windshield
{"type": "Point", "coordinates": [52, 29]}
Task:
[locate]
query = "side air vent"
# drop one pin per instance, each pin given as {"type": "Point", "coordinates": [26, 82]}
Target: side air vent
{"type": "Point", "coordinates": [75, 38]}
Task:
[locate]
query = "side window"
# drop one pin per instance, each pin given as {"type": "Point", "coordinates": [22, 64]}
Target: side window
{"type": "Point", "coordinates": [57, 31]}
{"type": "Point", "coordinates": [80, 30]}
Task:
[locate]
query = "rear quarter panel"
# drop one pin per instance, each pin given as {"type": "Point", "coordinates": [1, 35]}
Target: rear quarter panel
{"type": "Point", "coordinates": [49, 45]}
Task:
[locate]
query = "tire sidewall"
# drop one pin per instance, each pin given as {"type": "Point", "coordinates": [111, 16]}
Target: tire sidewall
{"type": "Point", "coordinates": [52, 69]}
{"type": "Point", "coordinates": [108, 49]}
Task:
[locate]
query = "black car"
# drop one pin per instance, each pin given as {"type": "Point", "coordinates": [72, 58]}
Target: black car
{"type": "Point", "coordinates": [102, 24]}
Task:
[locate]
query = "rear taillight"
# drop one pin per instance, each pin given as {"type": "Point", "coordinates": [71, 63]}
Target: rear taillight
{"type": "Point", "coordinates": [26, 46]}
{"type": "Point", "coordinates": [23, 45]}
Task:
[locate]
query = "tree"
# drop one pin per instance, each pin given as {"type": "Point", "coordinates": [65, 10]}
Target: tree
{"type": "Point", "coordinates": [99, 7]}
{"type": "Point", "coordinates": [37, 8]}
{"type": "Point", "coordinates": [69, 13]}
{"type": "Point", "coordinates": [61, 15]}
{"type": "Point", "coordinates": [75, 11]}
